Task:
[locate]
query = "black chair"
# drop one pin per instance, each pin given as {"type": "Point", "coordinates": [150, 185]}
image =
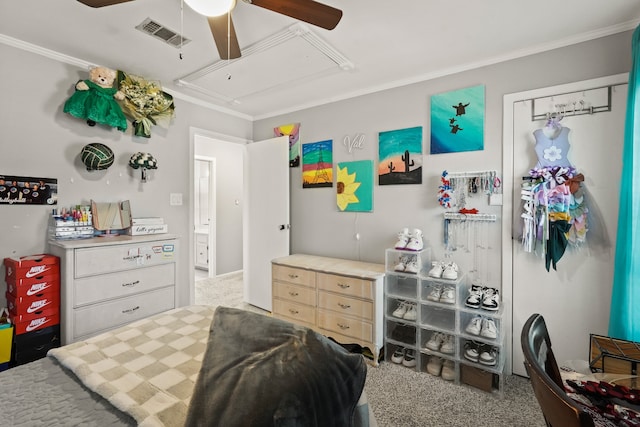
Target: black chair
{"type": "Point", "coordinates": [558, 408]}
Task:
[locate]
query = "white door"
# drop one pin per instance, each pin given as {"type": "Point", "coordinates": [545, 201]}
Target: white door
{"type": "Point", "coordinates": [574, 300]}
{"type": "Point", "coordinates": [266, 216]}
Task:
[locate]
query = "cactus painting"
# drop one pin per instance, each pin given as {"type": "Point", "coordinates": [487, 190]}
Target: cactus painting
{"type": "Point", "coordinates": [400, 156]}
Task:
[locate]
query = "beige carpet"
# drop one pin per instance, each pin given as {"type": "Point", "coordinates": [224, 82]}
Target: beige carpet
{"type": "Point", "coordinates": [402, 397]}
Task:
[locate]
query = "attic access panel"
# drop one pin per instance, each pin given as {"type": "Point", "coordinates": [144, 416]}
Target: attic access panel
{"type": "Point", "coordinates": [291, 56]}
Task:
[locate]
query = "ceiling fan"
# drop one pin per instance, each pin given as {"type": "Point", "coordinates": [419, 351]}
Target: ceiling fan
{"type": "Point", "coordinates": [224, 34]}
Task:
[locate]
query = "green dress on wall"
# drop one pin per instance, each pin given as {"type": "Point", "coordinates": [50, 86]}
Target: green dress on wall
{"type": "Point", "coordinates": [96, 105]}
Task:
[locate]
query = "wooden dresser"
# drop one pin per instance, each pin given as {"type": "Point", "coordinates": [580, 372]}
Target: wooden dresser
{"type": "Point", "coordinates": [339, 298]}
{"type": "Point", "coordinates": [107, 282]}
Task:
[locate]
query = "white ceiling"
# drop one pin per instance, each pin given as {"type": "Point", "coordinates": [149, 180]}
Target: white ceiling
{"type": "Point", "coordinates": [287, 65]}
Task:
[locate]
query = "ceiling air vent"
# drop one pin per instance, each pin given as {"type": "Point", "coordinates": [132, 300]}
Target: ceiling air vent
{"type": "Point", "coordinates": [151, 27]}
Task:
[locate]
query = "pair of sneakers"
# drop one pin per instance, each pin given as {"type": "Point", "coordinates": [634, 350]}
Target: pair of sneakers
{"type": "Point", "coordinates": [485, 354]}
{"type": "Point", "coordinates": [482, 326]}
{"type": "Point", "coordinates": [441, 342]}
{"type": "Point", "coordinates": [442, 367]}
{"type": "Point", "coordinates": [443, 294]}
{"type": "Point", "coordinates": [404, 356]}
{"type": "Point", "coordinates": [444, 270]}
{"type": "Point", "coordinates": [410, 241]}
{"type": "Point", "coordinates": [483, 297]}
{"type": "Point", "coordinates": [406, 310]}
{"type": "Point", "coordinates": [407, 264]}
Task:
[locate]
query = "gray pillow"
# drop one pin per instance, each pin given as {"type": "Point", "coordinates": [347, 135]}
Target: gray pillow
{"type": "Point", "coordinates": [262, 371]}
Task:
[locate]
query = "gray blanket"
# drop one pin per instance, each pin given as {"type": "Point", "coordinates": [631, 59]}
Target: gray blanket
{"type": "Point", "coordinates": [260, 371]}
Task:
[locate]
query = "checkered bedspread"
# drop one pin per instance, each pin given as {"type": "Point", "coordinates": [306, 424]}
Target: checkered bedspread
{"type": "Point", "coordinates": [148, 368]}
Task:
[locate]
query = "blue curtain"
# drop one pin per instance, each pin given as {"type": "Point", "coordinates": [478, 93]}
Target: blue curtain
{"type": "Point", "coordinates": [624, 320]}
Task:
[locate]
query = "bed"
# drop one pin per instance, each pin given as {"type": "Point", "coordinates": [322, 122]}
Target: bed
{"type": "Point", "coordinates": [192, 366]}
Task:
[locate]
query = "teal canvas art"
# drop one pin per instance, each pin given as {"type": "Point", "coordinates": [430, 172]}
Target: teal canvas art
{"type": "Point", "coordinates": [354, 186]}
{"type": "Point", "coordinates": [457, 121]}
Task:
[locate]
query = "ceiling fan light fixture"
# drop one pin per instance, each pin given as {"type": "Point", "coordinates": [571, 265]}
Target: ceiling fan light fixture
{"type": "Point", "coordinates": [211, 7]}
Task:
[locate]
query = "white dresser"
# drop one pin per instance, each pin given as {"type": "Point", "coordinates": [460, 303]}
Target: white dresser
{"type": "Point", "coordinates": [106, 282]}
{"type": "Point", "coordinates": [339, 298]}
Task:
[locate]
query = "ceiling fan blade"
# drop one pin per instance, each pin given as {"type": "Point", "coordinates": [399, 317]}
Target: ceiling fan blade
{"type": "Point", "coordinates": [226, 41]}
{"type": "Point", "coordinates": [102, 3]}
{"type": "Point", "coordinates": [308, 11]}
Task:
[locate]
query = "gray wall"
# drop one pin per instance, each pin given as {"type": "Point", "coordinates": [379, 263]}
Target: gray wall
{"type": "Point", "coordinates": [317, 226]}
{"type": "Point", "coordinates": [39, 140]}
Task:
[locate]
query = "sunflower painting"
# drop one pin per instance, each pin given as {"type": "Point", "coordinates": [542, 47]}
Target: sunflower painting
{"type": "Point", "coordinates": [354, 183]}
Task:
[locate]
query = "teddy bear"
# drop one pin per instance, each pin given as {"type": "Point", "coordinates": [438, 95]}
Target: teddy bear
{"type": "Point", "coordinates": [94, 99]}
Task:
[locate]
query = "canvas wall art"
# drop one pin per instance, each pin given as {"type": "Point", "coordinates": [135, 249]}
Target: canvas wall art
{"type": "Point", "coordinates": [317, 164]}
{"type": "Point", "coordinates": [457, 121]}
{"type": "Point", "coordinates": [400, 156]}
{"type": "Point", "coordinates": [293, 132]}
{"type": "Point", "coordinates": [354, 186]}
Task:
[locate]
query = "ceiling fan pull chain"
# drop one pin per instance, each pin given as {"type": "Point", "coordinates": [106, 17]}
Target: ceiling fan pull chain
{"type": "Point", "coordinates": [181, 26]}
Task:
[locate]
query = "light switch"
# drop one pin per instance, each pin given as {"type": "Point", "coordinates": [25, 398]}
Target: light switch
{"type": "Point", "coordinates": [175, 199]}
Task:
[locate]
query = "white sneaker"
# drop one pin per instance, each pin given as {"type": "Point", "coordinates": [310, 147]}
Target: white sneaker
{"type": "Point", "coordinates": [436, 269]}
{"type": "Point", "coordinates": [435, 293]}
{"type": "Point", "coordinates": [415, 240]}
{"type": "Point", "coordinates": [489, 329]}
{"type": "Point", "coordinates": [448, 295]}
{"type": "Point", "coordinates": [488, 355]}
{"type": "Point", "coordinates": [475, 326]}
{"type": "Point", "coordinates": [409, 358]}
{"type": "Point", "coordinates": [398, 355]}
{"type": "Point", "coordinates": [448, 345]}
{"type": "Point", "coordinates": [401, 265]}
{"type": "Point", "coordinates": [490, 299]}
{"type": "Point", "coordinates": [475, 297]}
{"type": "Point", "coordinates": [400, 311]}
{"type": "Point", "coordinates": [403, 239]}
{"type": "Point", "coordinates": [450, 271]}
{"type": "Point", "coordinates": [411, 265]}
{"type": "Point", "coordinates": [436, 340]}
{"type": "Point", "coordinates": [411, 313]}
{"type": "Point", "coordinates": [448, 370]}
{"type": "Point", "coordinates": [434, 367]}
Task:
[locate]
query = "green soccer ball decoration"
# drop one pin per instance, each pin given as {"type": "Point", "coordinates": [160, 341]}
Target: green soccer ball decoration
{"type": "Point", "coordinates": [96, 156]}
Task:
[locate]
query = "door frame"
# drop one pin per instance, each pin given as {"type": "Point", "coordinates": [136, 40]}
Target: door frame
{"type": "Point", "coordinates": [193, 132]}
{"type": "Point", "coordinates": [509, 103]}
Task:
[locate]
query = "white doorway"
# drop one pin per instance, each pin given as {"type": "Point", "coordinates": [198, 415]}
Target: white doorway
{"type": "Point", "coordinates": [204, 199]}
{"type": "Point", "coordinates": [575, 298]}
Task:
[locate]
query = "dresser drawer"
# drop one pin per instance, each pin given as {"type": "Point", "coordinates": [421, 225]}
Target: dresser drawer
{"type": "Point", "coordinates": [345, 305]}
{"type": "Point", "coordinates": [294, 293]}
{"type": "Point", "coordinates": [109, 259]}
{"type": "Point", "coordinates": [293, 275]}
{"type": "Point", "coordinates": [345, 285]}
{"type": "Point", "coordinates": [93, 289]}
{"type": "Point", "coordinates": [345, 325]}
{"type": "Point", "coordinates": [95, 318]}
{"type": "Point", "coordinates": [294, 312]}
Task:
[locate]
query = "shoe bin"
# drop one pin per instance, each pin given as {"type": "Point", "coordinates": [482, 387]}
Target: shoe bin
{"type": "Point", "coordinates": [402, 287]}
{"type": "Point", "coordinates": [425, 337]}
{"type": "Point", "coordinates": [443, 319]}
{"type": "Point", "coordinates": [429, 284]}
{"type": "Point", "coordinates": [398, 257]}
{"type": "Point", "coordinates": [467, 315]}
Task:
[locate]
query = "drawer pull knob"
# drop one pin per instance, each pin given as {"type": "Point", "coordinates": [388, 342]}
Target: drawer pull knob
{"type": "Point", "coordinates": [293, 294]}
{"type": "Point", "coordinates": [293, 276]}
{"type": "Point", "coordinates": [131, 283]}
{"type": "Point", "coordinates": [131, 310]}
{"type": "Point", "coordinates": [343, 326]}
{"type": "Point", "coordinates": [292, 311]}
{"type": "Point", "coordinates": [344, 306]}
{"type": "Point", "coordinates": [344, 285]}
